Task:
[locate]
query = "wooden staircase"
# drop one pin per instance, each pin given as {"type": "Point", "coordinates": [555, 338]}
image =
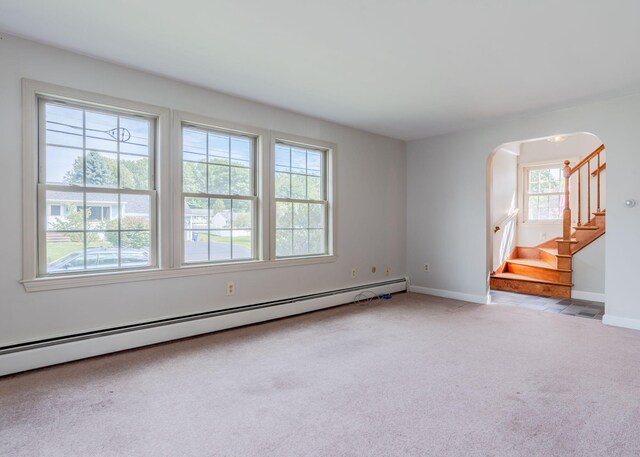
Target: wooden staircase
{"type": "Point", "coordinates": [546, 269]}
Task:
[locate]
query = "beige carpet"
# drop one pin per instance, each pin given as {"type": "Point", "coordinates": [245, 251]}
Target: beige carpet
{"type": "Point", "coordinates": [411, 376]}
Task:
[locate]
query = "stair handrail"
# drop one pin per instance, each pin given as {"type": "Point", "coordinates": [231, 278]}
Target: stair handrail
{"type": "Point", "coordinates": [568, 172]}
{"type": "Point", "coordinates": [505, 219]}
{"type": "Point", "coordinates": [586, 160]}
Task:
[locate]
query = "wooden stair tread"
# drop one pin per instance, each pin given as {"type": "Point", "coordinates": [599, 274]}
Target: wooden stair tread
{"type": "Point", "coordinates": [527, 279]}
{"type": "Point", "coordinates": [539, 263]}
{"type": "Point", "coordinates": [554, 252]}
{"type": "Point", "coordinates": [587, 227]}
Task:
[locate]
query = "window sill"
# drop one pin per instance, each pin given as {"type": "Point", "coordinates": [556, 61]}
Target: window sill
{"type": "Point", "coordinates": [97, 279]}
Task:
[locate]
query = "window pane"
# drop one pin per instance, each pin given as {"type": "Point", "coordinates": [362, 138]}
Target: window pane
{"type": "Point", "coordinates": [219, 179]}
{"type": "Point", "coordinates": [556, 180]}
{"type": "Point", "coordinates": [135, 246]}
{"type": "Point", "coordinates": [543, 207]}
{"type": "Point", "coordinates": [242, 244]}
{"type": "Point", "coordinates": [102, 211]}
{"type": "Point", "coordinates": [64, 125]}
{"type": "Point", "coordinates": [300, 242]}
{"type": "Point", "coordinates": [241, 151]}
{"type": "Point", "coordinates": [101, 169]}
{"type": "Point", "coordinates": [134, 172]}
{"type": "Point", "coordinates": [71, 217]}
{"type": "Point", "coordinates": [218, 148]}
{"type": "Point", "coordinates": [533, 207]}
{"type": "Point", "coordinates": [283, 185]}
{"type": "Point", "coordinates": [220, 245]}
{"type": "Point", "coordinates": [284, 242]}
{"type": "Point", "coordinates": [241, 215]}
{"type": "Point", "coordinates": [64, 166]}
{"type": "Point", "coordinates": [240, 181]}
{"type": "Point", "coordinates": [314, 163]}
{"type": "Point", "coordinates": [283, 158]}
{"type": "Point", "coordinates": [298, 186]}
{"type": "Point", "coordinates": [300, 215]}
{"type": "Point", "coordinates": [102, 131]}
{"type": "Point", "coordinates": [316, 242]}
{"type": "Point", "coordinates": [194, 144]}
{"type": "Point", "coordinates": [554, 207]}
{"type": "Point", "coordinates": [194, 177]}
{"type": "Point", "coordinates": [284, 215]}
{"type": "Point", "coordinates": [135, 212]}
{"type": "Point", "coordinates": [65, 252]}
{"type": "Point", "coordinates": [196, 212]}
{"type": "Point", "coordinates": [314, 188]}
{"type": "Point", "coordinates": [316, 216]}
{"type": "Point", "coordinates": [136, 136]}
{"type": "Point", "coordinates": [298, 160]}
{"type": "Point", "coordinates": [102, 249]}
{"type": "Point", "coordinates": [195, 246]}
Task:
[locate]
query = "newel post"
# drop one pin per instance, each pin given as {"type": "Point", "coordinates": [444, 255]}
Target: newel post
{"type": "Point", "coordinates": [566, 214]}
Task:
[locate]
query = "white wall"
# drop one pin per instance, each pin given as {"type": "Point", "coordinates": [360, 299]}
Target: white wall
{"type": "Point", "coordinates": [371, 205]}
{"type": "Point", "coordinates": [446, 200]}
{"type": "Point", "coordinates": [589, 270]}
{"type": "Point", "coordinates": [503, 169]}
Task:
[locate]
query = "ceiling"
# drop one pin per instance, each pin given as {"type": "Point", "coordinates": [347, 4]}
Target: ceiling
{"type": "Point", "coordinates": [403, 68]}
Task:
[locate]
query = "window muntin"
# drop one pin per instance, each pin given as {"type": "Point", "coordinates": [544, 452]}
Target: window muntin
{"type": "Point", "coordinates": [219, 195]}
{"type": "Point", "coordinates": [96, 189]}
{"type": "Point", "coordinates": [301, 210]}
{"type": "Point", "coordinates": [544, 194]}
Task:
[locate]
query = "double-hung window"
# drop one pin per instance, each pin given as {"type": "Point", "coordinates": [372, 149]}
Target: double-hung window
{"type": "Point", "coordinates": [301, 192]}
{"type": "Point", "coordinates": [544, 193]}
{"type": "Point", "coordinates": [96, 188]}
{"type": "Point", "coordinates": [219, 195]}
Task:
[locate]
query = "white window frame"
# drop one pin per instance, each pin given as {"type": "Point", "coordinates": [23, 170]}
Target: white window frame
{"type": "Point", "coordinates": [330, 192]}
{"type": "Point", "coordinates": [260, 136]}
{"type": "Point", "coordinates": [43, 187]}
{"type": "Point", "coordinates": [527, 194]}
{"type": "Point", "coordinates": [523, 183]}
{"type": "Point", "coordinates": [34, 214]}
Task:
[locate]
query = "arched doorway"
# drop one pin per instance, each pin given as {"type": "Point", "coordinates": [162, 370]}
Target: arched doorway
{"type": "Point", "coordinates": [533, 250]}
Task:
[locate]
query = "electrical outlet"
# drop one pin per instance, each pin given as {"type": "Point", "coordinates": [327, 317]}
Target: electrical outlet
{"type": "Point", "coordinates": [231, 288]}
{"type": "Point", "coordinates": [387, 271]}
{"type": "Point", "coordinates": [354, 273]}
{"type": "Point", "coordinates": [426, 267]}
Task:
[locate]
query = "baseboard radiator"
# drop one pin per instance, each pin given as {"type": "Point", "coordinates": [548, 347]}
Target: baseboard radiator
{"type": "Point", "coordinates": [51, 351]}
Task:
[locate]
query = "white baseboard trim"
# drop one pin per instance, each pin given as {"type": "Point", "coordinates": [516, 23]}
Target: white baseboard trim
{"type": "Point", "coordinates": [624, 322]}
{"type": "Point", "coordinates": [591, 296]}
{"type": "Point", "coordinates": [28, 359]}
{"type": "Point", "coordinates": [482, 299]}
